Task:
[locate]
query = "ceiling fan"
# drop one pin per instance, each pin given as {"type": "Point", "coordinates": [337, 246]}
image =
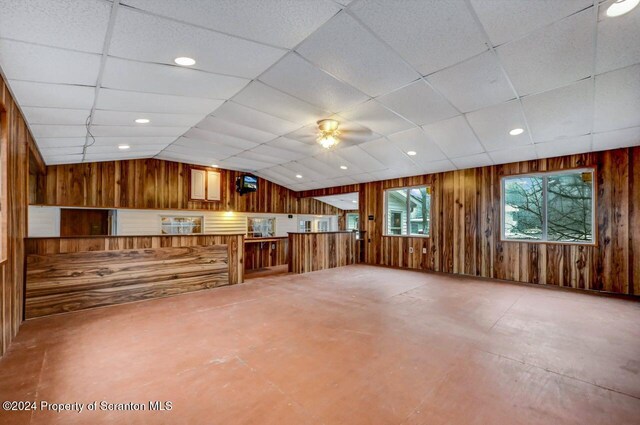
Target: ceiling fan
{"type": "Point", "coordinates": [329, 135]}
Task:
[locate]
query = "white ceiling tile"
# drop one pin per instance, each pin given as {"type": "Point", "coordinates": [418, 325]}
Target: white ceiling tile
{"type": "Point", "coordinates": [388, 154]}
{"type": "Point", "coordinates": [207, 148]}
{"type": "Point", "coordinates": [335, 161]}
{"type": "Point", "coordinates": [122, 118]}
{"type": "Point", "coordinates": [476, 83]}
{"type": "Point", "coordinates": [271, 101]}
{"type": "Point", "coordinates": [299, 78]}
{"type": "Point", "coordinates": [295, 168]}
{"type": "Point", "coordinates": [142, 131]}
{"type": "Point", "coordinates": [430, 34]}
{"type": "Point", "coordinates": [345, 201]}
{"type": "Point", "coordinates": [454, 137]}
{"type": "Point", "coordinates": [560, 147]}
{"type": "Point", "coordinates": [519, 153]}
{"type": "Point", "coordinates": [190, 157]}
{"type": "Point", "coordinates": [363, 178]}
{"type": "Point", "coordinates": [59, 142]}
{"type": "Point", "coordinates": [282, 23]}
{"type": "Point", "coordinates": [616, 139]}
{"type": "Point", "coordinates": [254, 156]}
{"type": "Point", "coordinates": [62, 159]}
{"type": "Point", "coordinates": [220, 138]}
{"type": "Point", "coordinates": [563, 112]}
{"type": "Point", "coordinates": [73, 24]}
{"type": "Point", "coordinates": [618, 42]}
{"type": "Point", "coordinates": [281, 174]}
{"type": "Point", "coordinates": [618, 99]}
{"type": "Point", "coordinates": [419, 103]}
{"type": "Point", "coordinates": [342, 181]}
{"type": "Point", "coordinates": [295, 146]}
{"type": "Point", "coordinates": [347, 50]}
{"type": "Point", "coordinates": [472, 161]}
{"type": "Point", "coordinates": [134, 142]}
{"type": "Point", "coordinates": [320, 167]}
{"type": "Point", "coordinates": [437, 166]}
{"type": "Point", "coordinates": [150, 102]}
{"type": "Point", "coordinates": [52, 95]}
{"type": "Point", "coordinates": [373, 115]}
{"type": "Point", "coordinates": [396, 173]}
{"type": "Point", "coordinates": [418, 141]}
{"type": "Point", "coordinates": [360, 158]}
{"type": "Point", "coordinates": [119, 156]}
{"type": "Point", "coordinates": [125, 74]}
{"type": "Point", "coordinates": [59, 116]}
{"type": "Point", "coordinates": [237, 162]}
{"type": "Point", "coordinates": [135, 148]}
{"type": "Point", "coordinates": [284, 155]}
{"type": "Point", "coordinates": [255, 119]}
{"type": "Point", "coordinates": [47, 130]}
{"type": "Point", "coordinates": [71, 150]}
{"type": "Point", "coordinates": [506, 20]}
{"type": "Point", "coordinates": [492, 125]}
{"type": "Point", "coordinates": [150, 38]}
{"type": "Point", "coordinates": [30, 62]}
{"type": "Point", "coordinates": [552, 56]}
{"type": "Point", "coordinates": [218, 125]}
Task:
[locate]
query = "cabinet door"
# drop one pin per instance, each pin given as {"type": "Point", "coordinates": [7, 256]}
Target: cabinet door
{"type": "Point", "coordinates": [213, 186]}
{"type": "Point", "coordinates": [197, 184]}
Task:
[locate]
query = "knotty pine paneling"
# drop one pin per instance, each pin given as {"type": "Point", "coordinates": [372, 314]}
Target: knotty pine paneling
{"type": "Point", "coordinates": [158, 184]}
{"type": "Point", "coordinates": [309, 252]}
{"type": "Point", "coordinates": [465, 226]}
{"type": "Point", "coordinates": [60, 283]}
{"type": "Point", "coordinates": [17, 147]}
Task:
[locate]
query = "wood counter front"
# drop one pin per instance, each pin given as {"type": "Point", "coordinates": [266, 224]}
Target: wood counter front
{"type": "Point", "coordinates": [68, 274]}
{"type": "Point", "coordinates": [321, 250]}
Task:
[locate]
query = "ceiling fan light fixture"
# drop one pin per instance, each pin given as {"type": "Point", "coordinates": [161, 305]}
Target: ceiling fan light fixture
{"type": "Point", "coordinates": [328, 133]}
{"type": "Point", "coordinates": [620, 7]}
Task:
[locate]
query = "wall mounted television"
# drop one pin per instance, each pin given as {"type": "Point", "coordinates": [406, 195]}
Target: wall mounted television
{"type": "Point", "coordinates": [246, 183]}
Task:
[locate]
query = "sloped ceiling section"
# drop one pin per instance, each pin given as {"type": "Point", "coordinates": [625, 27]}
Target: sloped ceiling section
{"type": "Point", "coordinates": [446, 80]}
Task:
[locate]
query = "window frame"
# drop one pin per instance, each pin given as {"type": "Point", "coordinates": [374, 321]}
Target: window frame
{"type": "Point", "coordinates": [385, 232]}
{"type": "Point", "coordinates": [545, 225]}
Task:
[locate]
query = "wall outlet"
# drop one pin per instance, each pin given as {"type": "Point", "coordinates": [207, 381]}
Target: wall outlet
{"type": "Point", "coordinates": [410, 250]}
{"type": "Point", "coordinates": [273, 246]}
{"type": "Point", "coordinates": [424, 250]}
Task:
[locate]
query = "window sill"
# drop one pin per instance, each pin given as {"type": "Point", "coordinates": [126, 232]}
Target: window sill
{"type": "Point", "coordinates": [549, 242]}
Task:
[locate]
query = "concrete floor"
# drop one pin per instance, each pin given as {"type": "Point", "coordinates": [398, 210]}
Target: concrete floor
{"type": "Point", "coordinates": [355, 345]}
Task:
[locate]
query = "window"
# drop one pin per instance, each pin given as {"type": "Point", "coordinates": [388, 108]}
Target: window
{"type": "Point", "coordinates": [553, 207]}
{"type": "Point", "coordinates": [323, 225]}
{"type": "Point", "coordinates": [352, 221]}
{"type": "Point", "coordinates": [305, 225]}
{"type": "Point", "coordinates": [181, 225]}
{"type": "Point", "coordinates": [261, 227]}
{"type": "Point", "coordinates": [408, 211]}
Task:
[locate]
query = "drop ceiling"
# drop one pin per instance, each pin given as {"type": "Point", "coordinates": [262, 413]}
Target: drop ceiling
{"type": "Point", "coordinates": [445, 79]}
{"type": "Point", "coordinates": [345, 201]}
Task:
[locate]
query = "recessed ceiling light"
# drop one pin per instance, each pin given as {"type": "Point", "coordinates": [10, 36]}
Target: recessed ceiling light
{"type": "Point", "coordinates": [343, 167]}
{"type": "Point", "coordinates": [184, 61]}
{"type": "Point", "coordinates": [516, 131]}
{"type": "Point", "coordinates": [412, 153]}
{"type": "Point", "coordinates": [142, 121]}
{"type": "Point", "coordinates": [298, 176]}
{"type": "Point", "coordinates": [214, 165]}
{"type": "Point", "coordinates": [355, 202]}
{"type": "Point", "coordinates": [620, 7]}
{"type": "Point", "coordinates": [123, 147]}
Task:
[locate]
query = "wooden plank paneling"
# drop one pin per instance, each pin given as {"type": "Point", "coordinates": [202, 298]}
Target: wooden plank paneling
{"type": "Point", "coordinates": [310, 252]}
{"type": "Point", "coordinates": [158, 184]}
{"type": "Point", "coordinates": [465, 228]}
{"type": "Point", "coordinates": [261, 254]}
{"type": "Point", "coordinates": [19, 153]}
{"type": "Point", "coordinates": [58, 283]}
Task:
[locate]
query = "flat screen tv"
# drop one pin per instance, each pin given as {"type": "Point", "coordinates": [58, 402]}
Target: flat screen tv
{"type": "Point", "coordinates": [246, 183]}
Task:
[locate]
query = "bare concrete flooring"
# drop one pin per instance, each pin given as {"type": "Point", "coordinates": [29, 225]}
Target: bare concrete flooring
{"type": "Point", "coordinates": [355, 345]}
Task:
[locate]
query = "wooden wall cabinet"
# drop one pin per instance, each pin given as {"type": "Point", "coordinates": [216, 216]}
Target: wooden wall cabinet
{"type": "Point", "coordinates": [205, 185]}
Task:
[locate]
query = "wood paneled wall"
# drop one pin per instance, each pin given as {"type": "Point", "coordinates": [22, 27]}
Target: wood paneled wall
{"type": "Point", "coordinates": [309, 252]}
{"type": "Point", "coordinates": [154, 183]}
{"type": "Point", "coordinates": [67, 274]}
{"type": "Point", "coordinates": [465, 226]}
{"type": "Point", "coordinates": [17, 148]}
{"type": "Point", "coordinates": [269, 253]}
